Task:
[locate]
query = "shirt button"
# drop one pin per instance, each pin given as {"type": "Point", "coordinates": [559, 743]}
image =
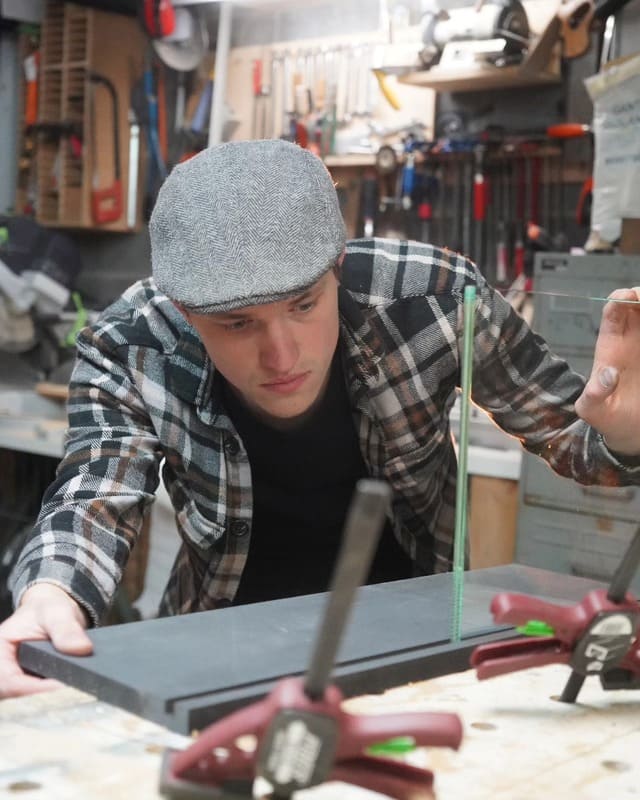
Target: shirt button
{"type": "Point", "coordinates": [231, 445]}
{"type": "Point", "coordinates": [239, 528]}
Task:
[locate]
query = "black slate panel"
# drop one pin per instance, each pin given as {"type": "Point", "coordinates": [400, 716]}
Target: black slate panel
{"type": "Point", "coordinates": [186, 671]}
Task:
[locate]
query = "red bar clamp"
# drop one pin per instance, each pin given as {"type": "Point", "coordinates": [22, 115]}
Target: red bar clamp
{"type": "Point", "coordinates": [598, 636]}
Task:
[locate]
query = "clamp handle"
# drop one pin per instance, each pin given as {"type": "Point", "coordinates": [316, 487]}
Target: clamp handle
{"type": "Point", "coordinates": [513, 655]}
{"type": "Point", "coordinates": [569, 622]}
{"type": "Point", "coordinates": [518, 609]}
{"type": "Point", "coordinates": [429, 729]}
{"type": "Point", "coordinates": [215, 757]}
{"type": "Point", "coordinates": [386, 776]}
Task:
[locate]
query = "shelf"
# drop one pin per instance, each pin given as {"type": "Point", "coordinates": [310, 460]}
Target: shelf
{"type": "Point", "coordinates": [540, 67]}
{"type": "Point", "coordinates": [73, 40]}
{"type": "Point", "coordinates": [351, 160]}
{"type": "Point", "coordinates": [483, 78]}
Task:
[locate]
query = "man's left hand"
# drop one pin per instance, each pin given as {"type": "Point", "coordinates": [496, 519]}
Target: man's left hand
{"type": "Point", "coordinates": [610, 401]}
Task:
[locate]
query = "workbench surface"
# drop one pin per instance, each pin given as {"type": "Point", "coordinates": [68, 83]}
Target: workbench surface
{"type": "Point", "coordinates": [519, 743]}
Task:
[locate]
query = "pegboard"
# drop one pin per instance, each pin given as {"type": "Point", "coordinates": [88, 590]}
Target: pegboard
{"type": "Point", "coordinates": [335, 68]}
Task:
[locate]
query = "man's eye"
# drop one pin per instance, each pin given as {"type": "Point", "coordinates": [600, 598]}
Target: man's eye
{"type": "Point", "coordinates": [306, 306]}
{"type": "Point", "coordinates": [237, 325]}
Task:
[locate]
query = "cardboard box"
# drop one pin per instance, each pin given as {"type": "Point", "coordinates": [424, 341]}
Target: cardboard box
{"type": "Point", "coordinates": [630, 237]}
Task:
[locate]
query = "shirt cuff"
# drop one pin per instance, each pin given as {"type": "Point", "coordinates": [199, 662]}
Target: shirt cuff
{"type": "Point", "coordinates": [626, 462]}
{"type": "Point", "coordinates": [75, 584]}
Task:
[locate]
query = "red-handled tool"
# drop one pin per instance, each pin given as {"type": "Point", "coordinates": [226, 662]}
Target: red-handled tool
{"type": "Point", "coordinates": [576, 130]}
{"type": "Point", "coordinates": [585, 202]}
{"type": "Point", "coordinates": [568, 130]}
{"type": "Point", "coordinates": [480, 202]}
{"type": "Point", "coordinates": [598, 636]}
{"type": "Point", "coordinates": [158, 17]}
{"type": "Point", "coordinates": [520, 222]}
{"type": "Point", "coordinates": [260, 93]}
{"type": "Point", "coordinates": [31, 69]}
{"type": "Point", "coordinates": [301, 735]}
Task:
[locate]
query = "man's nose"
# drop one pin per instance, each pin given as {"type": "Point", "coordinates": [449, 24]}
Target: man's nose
{"type": "Point", "coordinates": [279, 350]}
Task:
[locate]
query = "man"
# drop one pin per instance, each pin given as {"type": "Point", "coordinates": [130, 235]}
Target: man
{"type": "Point", "coordinates": [271, 367]}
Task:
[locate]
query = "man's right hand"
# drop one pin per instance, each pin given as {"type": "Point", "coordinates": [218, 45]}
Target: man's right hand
{"type": "Point", "coordinates": [45, 612]}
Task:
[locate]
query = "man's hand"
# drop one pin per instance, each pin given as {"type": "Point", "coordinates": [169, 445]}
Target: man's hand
{"type": "Point", "coordinates": [610, 401]}
{"type": "Point", "coordinates": [45, 612]}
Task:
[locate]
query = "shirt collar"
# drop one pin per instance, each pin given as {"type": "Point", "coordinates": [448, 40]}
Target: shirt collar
{"type": "Point", "coordinates": [191, 375]}
{"type": "Point", "coordinates": [361, 342]}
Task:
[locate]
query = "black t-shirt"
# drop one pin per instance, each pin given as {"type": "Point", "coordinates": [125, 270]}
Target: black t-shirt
{"type": "Point", "coordinates": [303, 479]}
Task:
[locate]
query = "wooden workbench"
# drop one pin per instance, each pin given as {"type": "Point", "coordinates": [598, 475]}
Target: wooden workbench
{"type": "Point", "coordinates": [520, 743]}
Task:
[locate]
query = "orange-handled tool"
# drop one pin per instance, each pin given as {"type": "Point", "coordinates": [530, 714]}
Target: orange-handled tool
{"type": "Point", "coordinates": [31, 68]}
{"type": "Point", "coordinates": [568, 130]}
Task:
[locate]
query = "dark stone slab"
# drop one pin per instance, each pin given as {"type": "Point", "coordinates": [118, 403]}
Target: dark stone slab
{"type": "Point", "coordinates": [184, 672]}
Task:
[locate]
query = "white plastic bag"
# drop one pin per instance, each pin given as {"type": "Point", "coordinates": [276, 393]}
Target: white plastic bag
{"type": "Point", "coordinates": [616, 127]}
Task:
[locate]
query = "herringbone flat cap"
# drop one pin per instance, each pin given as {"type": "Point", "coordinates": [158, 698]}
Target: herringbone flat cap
{"type": "Point", "coordinates": [244, 223]}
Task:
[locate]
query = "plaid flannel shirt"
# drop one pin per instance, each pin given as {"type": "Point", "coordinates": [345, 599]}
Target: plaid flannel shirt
{"type": "Point", "coordinates": [144, 392]}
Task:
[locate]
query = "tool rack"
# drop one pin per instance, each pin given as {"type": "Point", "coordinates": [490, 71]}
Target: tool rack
{"type": "Point", "coordinates": [74, 42]}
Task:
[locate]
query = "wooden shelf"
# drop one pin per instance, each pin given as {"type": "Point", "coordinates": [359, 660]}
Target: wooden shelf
{"type": "Point", "coordinates": [351, 160]}
{"type": "Point", "coordinates": [540, 67]}
{"type": "Point", "coordinates": [75, 39]}
{"type": "Point", "coordinates": [482, 78]}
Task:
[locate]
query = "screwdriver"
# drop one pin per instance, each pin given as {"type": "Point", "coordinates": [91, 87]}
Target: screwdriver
{"type": "Point", "coordinates": [568, 130]}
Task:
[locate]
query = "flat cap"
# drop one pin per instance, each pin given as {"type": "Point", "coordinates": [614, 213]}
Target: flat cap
{"type": "Point", "coordinates": [244, 223]}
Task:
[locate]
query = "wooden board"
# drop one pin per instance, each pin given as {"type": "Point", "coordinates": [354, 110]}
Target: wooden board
{"type": "Point", "coordinates": [56, 391]}
{"type": "Point", "coordinates": [520, 743]}
{"type": "Point", "coordinates": [493, 521]}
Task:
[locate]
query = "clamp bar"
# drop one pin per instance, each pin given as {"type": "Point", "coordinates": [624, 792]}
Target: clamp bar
{"type": "Point", "coordinates": [365, 520]}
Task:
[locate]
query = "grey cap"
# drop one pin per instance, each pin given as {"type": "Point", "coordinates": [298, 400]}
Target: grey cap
{"type": "Point", "coordinates": [244, 223]}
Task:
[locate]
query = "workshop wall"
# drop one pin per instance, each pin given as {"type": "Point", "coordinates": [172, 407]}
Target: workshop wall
{"type": "Point", "coordinates": [628, 29]}
{"type": "Point", "coordinates": [336, 18]}
{"type": "Point", "coordinates": [113, 261]}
